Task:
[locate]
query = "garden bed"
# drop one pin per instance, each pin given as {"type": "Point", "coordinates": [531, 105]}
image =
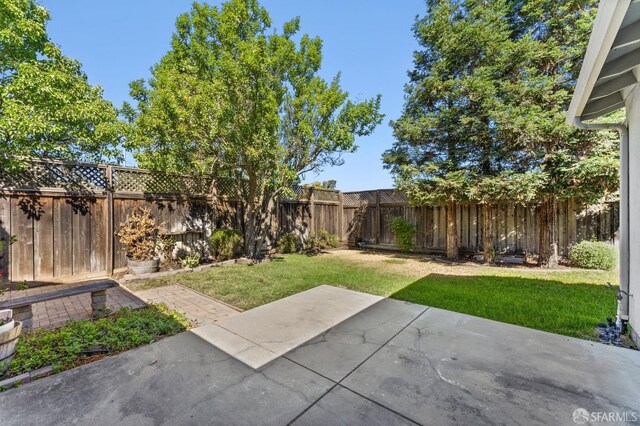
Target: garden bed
{"type": "Point", "coordinates": [80, 342]}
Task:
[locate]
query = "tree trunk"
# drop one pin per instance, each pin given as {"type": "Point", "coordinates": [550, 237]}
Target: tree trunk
{"type": "Point", "coordinates": [259, 222]}
{"type": "Point", "coordinates": [452, 231]}
{"type": "Point", "coordinates": [548, 220]}
{"type": "Point", "coordinates": [250, 231]}
{"type": "Point", "coordinates": [487, 236]}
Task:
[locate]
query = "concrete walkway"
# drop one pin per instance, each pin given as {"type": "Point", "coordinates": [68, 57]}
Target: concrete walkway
{"type": "Point", "coordinates": [198, 308]}
{"type": "Point", "coordinates": [258, 336]}
{"type": "Point", "coordinates": [393, 363]}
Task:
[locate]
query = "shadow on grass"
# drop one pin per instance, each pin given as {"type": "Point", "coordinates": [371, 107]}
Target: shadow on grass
{"type": "Point", "coordinates": [569, 309]}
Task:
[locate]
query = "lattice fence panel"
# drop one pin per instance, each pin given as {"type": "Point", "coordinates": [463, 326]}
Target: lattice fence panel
{"type": "Point", "coordinates": [226, 188]}
{"type": "Point", "coordinates": [300, 193]}
{"type": "Point", "coordinates": [391, 196]}
{"type": "Point", "coordinates": [56, 175]}
{"type": "Point", "coordinates": [326, 195]}
{"type": "Point", "coordinates": [134, 180]}
{"type": "Point", "coordinates": [355, 199]}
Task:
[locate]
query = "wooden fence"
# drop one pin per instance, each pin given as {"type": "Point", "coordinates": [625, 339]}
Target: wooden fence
{"type": "Point", "coordinates": [63, 218]}
{"type": "Point", "coordinates": [514, 226]}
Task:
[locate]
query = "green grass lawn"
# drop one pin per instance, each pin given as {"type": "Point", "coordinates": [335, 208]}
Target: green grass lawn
{"type": "Point", "coordinates": [549, 305]}
{"type": "Point", "coordinates": [566, 302]}
{"type": "Point", "coordinates": [249, 286]}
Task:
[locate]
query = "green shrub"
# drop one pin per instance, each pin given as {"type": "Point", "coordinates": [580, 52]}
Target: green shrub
{"type": "Point", "coordinates": [287, 243]}
{"type": "Point", "coordinates": [594, 255]}
{"type": "Point", "coordinates": [190, 260]}
{"type": "Point", "coordinates": [321, 240]}
{"type": "Point", "coordinates": [226, 244]}
{"type": "Point", "coordinates": [405, 232]}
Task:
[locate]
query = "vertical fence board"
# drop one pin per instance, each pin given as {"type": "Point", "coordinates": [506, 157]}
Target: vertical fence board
{"type": "Point", "coordinates": [443, 227]}
{"type": "Point", "coordinates": [81, 241]}
{"type": "Point", "coordinates": [63, 238]}
{"type": "Point", "coordinates": [22, 228]}
{"type": "Point", "coordinates": [99, 236]}
{"type": "Point", "coordinates": [43, 240]}
{"type": "Point", "coordinates": [5, 235]}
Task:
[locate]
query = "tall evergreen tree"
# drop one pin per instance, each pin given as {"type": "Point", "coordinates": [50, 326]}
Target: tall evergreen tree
{"type": "Point", "coordinates": [446, 137]}
{"type": "Point", "coordinates": [487, 98]}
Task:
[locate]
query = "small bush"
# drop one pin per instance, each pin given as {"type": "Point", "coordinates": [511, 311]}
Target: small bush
{"type": "Point", "coordinates": [594, 255]}
{"type": "Point", "coordinates": [190, 261]}
{"type": "Point", "coordinates": [405, 232]}
{"type": "Point", "coordinates": [288, 243]}
{"type": "Point", "coordinates": [226, 244]}
{"type": "Point", "coordinates": [321, 240]}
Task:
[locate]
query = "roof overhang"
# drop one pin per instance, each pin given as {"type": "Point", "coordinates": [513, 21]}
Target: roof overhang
{"type": "Point", "coordinates": [611, 66]}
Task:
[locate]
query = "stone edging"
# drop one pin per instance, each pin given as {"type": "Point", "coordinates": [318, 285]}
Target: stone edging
{"type": "Point", "coordinates": [162, 274]}
{"type": "Point", "coordinates": [25, 377]}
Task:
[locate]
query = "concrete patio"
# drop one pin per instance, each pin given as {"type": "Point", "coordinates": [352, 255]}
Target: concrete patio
{"type": "Point", "coordinates": [392, 363]}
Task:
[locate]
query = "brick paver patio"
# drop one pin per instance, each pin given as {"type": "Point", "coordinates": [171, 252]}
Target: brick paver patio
{"type": "Point", "coordinates": [199, 308]}
{"type": "Point", "coordinates": [55, 313]}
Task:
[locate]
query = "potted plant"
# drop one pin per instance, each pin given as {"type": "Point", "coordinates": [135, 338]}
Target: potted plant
{"type": "Point", "coordinates": [139, 237]}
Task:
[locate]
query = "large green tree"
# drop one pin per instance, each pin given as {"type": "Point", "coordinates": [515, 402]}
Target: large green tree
{"type": "Point", "coordinates": [446, 138]}
{"type": "Point", "coordinates": [552, 37]}
{"type": "Point", "coordinates": [486, 100]}
{"type": "Point", "coordinates": [243, 102]}
{"type": "Point", "coordinates": [47, 107]}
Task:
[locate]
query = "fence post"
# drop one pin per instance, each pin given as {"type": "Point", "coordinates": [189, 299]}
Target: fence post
{"type": "Point", "coordinates": [378, 218]}
{"type": "Point", "coordinates": [340, 226]}
{"type": "Point", "coordinates": [571, 222]}
{"type": "Point", "coordinates": [312, 210]}
{"type": "Point", "coordinates": [109, 225]}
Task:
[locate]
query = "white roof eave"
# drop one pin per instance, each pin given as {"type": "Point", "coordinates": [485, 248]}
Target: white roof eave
{"type": "Point", "coordinates": [610, 15]}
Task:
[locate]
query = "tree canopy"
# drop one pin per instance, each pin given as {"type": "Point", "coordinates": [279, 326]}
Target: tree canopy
{"type": "Point", "coordinates": [47, 107]}
{"type": "Point", "coordinates": [485, 107]}
{"type": "Point", "coordinates": [245, 103]}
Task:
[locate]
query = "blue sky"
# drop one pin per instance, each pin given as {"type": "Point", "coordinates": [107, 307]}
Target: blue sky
{"type": "Point", "coordinates": [369, 41]}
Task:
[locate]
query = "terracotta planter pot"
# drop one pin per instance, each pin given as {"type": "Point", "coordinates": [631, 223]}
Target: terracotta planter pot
{"type": "Point", "coordinates": [8, 342]}
{"type": "Point", "coordinates": [137, 267]}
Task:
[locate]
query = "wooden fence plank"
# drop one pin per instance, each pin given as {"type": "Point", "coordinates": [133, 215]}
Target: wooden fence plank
{"type": "Point", "coordinates": [81, 241]}
{"type": "Point", "coordinates": [510, 228]}
{"type": "Point", "coordinates": [22, 212]}
{"type": "Point", "coordinates": [443, 227]}
{"type": "Point", "coordinates": [43, 240]}
{"type": "Point", "coordinates": [99, 236]}
{"type": "Point", "coordinates": [63, 238]}
{"type": "Point", "coordinates": [5, 235]}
